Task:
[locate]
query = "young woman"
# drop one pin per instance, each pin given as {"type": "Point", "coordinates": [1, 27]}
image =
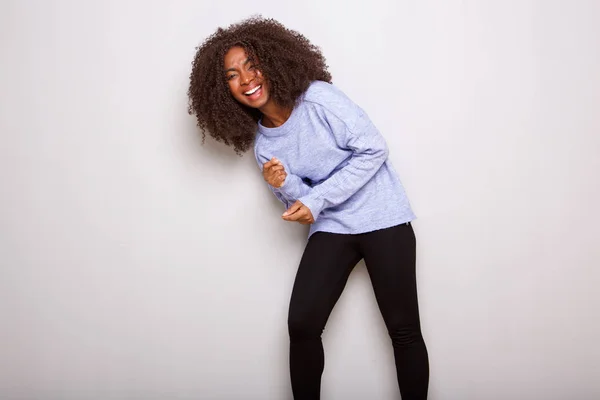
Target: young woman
{"type": "Point", "coordinates": [257, 84]}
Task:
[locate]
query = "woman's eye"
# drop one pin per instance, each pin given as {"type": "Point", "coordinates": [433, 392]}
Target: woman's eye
{"type": "Point", "coordinates": [230, 77]}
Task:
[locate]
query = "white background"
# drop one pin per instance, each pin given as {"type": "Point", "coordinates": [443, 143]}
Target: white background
{"type": "Point", "coordinates": [138, 264]}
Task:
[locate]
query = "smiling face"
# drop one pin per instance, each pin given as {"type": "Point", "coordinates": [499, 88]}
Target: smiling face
{"type": "Point", "coordinates": [246, 82]}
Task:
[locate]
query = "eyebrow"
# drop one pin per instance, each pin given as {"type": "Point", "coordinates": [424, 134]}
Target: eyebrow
{"type": "Point", "coordinates": [233, 69]}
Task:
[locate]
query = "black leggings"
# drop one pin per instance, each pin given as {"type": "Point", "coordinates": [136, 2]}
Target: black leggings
{"type": "Point", "coordinates": [325, 267]}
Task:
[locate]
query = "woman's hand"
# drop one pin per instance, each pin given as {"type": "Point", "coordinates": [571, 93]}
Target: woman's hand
{"type": "Point", "coordinates": [274, 173]}
{"type": "Point", "coordinates": [298, 212]}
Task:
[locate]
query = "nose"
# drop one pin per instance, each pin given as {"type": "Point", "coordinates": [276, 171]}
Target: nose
{"type": "Point", "coordinates": [246, 77]}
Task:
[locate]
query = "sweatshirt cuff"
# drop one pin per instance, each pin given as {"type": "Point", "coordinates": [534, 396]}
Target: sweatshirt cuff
{"type": "Point", "coordinates": [291, 188]}
{"type": "Point", "coordinates": [314, 204]}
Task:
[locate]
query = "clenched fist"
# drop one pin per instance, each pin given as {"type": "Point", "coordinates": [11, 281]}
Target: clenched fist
{"type": "Point", "coordinates": [274, 173]}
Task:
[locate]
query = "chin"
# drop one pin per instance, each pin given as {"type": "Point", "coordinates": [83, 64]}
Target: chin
{"type": "Point", "coordinates": [255, 104]}
{"type": "Point", "coordinates": [259, 104]}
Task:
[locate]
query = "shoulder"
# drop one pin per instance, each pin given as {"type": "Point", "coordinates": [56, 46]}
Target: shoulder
{"type": "Point", "coordinates": [333, 101]}
{"type": "Point", "coordinates": [322, 93]}
{"type": "Point", "coordinates": [259, 148]}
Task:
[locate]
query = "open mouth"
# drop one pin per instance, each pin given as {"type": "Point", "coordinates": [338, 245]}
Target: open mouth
{"type": "Point", "coordinates": [253, 91]}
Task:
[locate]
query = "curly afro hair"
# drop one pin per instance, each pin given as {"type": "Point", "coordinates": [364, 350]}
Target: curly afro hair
{"type": "Point", "coordinates": [286, 59]}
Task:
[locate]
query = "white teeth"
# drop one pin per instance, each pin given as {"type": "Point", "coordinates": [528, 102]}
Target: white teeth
{"type": "Point", "coordinates": [249, 92]}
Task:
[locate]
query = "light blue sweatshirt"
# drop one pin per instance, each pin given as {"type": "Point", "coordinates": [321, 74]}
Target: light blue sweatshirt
{"type": "Point", "coordinates": [337, 164]}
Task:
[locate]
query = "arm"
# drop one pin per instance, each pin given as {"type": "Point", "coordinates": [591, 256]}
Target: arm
{"type": "Point", "coordinates": [276, 176]}
{"type": "Point", "coordinates": [369, 152]}
{"type": "Point", "coordinates": [292, 187]}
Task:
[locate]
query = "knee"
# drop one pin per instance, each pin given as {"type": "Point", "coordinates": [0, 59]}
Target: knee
{"type": "Point", "coordinates": [405, 335]}
{"type": "Point", "coordinates": [302, 326]}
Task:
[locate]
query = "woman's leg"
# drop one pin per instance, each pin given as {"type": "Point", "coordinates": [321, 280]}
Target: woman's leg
{"type": "Point", "coordinates": [390, 259]}
{"type": "Point", "coordinates": [324, 269]}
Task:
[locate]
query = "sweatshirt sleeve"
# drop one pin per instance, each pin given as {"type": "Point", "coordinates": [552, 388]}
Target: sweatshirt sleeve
{"type": "Point", "coordinates": [293, 187]}
{"type": "Point", "coordinates": [354, 131]}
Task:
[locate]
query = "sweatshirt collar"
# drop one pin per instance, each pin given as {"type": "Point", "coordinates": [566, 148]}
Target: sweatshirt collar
{"type": "Point", "coordinates": [284, 128]}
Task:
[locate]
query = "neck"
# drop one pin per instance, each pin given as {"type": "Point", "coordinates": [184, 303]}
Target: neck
{"type": "Point", "coordinates": [274, 115]}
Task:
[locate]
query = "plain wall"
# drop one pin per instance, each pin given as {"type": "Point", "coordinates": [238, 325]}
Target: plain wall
{"type": "Point", "coordinates": [138, 264]}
